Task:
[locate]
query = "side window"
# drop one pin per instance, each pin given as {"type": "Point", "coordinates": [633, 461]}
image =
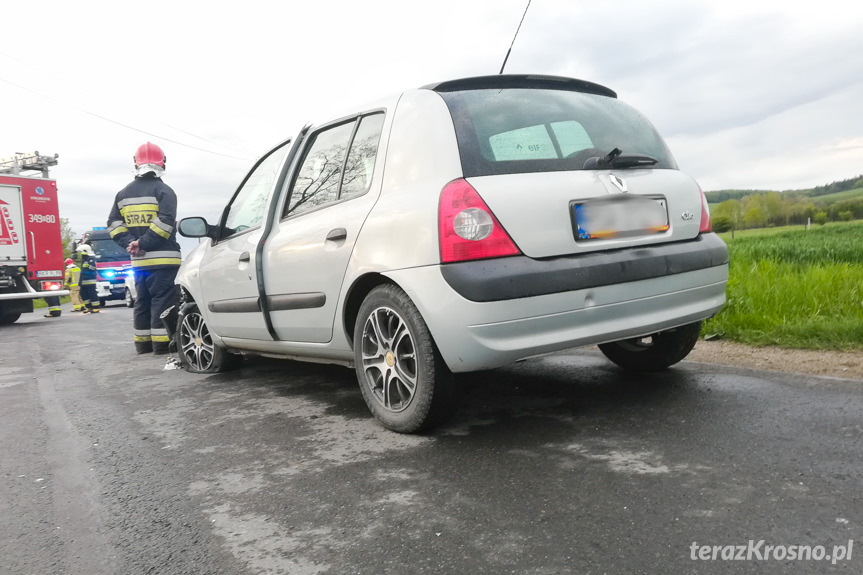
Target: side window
{"type": "Point", "coordinates": [361, 159]}
{"type": "Point", "coordinates": [249, 206]}
{"type": "Point", "coordinates": [317, 182]}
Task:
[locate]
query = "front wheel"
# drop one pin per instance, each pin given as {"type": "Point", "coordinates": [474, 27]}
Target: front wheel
{"type": "Point", "coordinates": [195, 346]}
{"type": "Point", "coordinates": [655, 352]}
{"type": "Point", "coordinates": [403, 378]}
{"type": "Point", "coordinates": [130, 302]}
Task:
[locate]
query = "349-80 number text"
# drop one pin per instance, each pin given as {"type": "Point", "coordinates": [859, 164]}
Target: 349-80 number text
{"type": "Point", "coordinates": [43, 218]}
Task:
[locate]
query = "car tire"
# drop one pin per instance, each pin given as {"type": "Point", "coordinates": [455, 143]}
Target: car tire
{"type": "Point", "coordinates": [655, 352]}
{"type": "Point", "coordinates": [130, 302]}
{"type": "Point", "coordinates": [198, 353]}
{"type": "Point", "coordinates": [403, 379]}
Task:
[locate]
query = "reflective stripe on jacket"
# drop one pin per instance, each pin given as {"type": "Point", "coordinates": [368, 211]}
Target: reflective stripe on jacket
{"type": "Point", "coordinates": [73, 275]}
{"type": "Point", "coordinates": [146, 211]}
{"type": "Point", "coordinates": [88, 271]}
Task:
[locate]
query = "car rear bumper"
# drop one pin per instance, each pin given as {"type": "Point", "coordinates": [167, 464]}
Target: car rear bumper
{"type": "Point", "coordinates": [473, 335]}
{"type": "Point", "coordinates": [518, 277]}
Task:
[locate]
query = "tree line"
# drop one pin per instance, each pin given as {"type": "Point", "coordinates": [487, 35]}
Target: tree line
{"type": "Point", "coordinates": [742, 209]}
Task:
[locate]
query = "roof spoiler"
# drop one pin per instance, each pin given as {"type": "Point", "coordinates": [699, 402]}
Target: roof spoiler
{"type": "Point", "coordinates": [522, 81]}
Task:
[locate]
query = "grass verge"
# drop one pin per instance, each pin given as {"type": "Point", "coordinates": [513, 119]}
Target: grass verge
{"type": "Point", "coordinates": [795, 288]}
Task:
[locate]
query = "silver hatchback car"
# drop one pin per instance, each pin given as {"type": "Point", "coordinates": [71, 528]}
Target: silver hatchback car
{"type": "Point", "coordinates": [452, 228]}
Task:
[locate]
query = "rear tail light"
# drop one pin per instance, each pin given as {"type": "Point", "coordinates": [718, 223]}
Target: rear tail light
{"type": "Point", "coordinates": [705, 214]}
{"type": "Point", "coordinates": [467, 228]}
{"type": "Point", "coordinates": [51, 286]}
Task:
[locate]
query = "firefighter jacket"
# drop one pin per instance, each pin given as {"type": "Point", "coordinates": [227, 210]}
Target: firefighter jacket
{"type": "Point", "coordinates": [88, 270]}
{"type": "Point", "coordinates": [73, 276]}
{"type": "Point", "coordinates": [146, 210]}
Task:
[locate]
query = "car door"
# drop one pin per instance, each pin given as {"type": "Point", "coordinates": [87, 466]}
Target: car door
{"type": "Point", "coordinates": [229, 282]}
{"type": "Point", "coordinates": [331, 192]}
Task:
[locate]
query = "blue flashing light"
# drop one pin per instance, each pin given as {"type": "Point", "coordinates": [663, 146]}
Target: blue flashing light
{"type": "Point", "coordinates": [114, 273]}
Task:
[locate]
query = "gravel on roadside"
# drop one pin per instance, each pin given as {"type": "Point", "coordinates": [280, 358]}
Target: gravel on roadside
{"type": "Point", "coordinates": [843, 364]}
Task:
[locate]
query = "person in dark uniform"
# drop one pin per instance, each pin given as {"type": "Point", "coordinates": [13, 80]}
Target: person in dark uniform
{"type": "Point", "coordinates": [54, 309]}
{"type": "Point", "coordinates": [88, 279]}
{"type": "Point", "coordinates": [143, 222]}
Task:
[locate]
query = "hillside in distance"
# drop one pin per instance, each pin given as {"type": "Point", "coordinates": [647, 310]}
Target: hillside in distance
{"type": "Point", "coordinates": [849, 189]}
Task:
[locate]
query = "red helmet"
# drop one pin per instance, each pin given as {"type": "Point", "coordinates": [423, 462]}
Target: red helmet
{"type": "Point", "coordinates": [150, 154]}
{"type": "Point", "coordinates": [69, 261]}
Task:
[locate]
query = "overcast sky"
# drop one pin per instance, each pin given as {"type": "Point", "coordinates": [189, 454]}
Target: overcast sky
{"type": "Point", "coordinates": [751, 95]}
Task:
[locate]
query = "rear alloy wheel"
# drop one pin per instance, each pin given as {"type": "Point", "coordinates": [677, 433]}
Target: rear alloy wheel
{"type": "Point", "coordinates": [655, 352]}
{"type": "Point", "coordinates": [402, 376]}
{"type": "Point", "coordinates": [195, 346]}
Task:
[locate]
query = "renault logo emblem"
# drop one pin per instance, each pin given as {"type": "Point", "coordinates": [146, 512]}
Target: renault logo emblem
{"type": "Point", "coordinates": [618, 182]}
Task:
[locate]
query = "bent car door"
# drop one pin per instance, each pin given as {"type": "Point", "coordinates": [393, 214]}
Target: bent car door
{"type": "Point", "coordinates": [331, 192]}
{"type": "Point", "coordinates": [228, 278]}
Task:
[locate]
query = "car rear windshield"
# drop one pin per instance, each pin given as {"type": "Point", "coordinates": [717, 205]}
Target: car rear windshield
{"type": "Point", "coordinates": [524, 130]}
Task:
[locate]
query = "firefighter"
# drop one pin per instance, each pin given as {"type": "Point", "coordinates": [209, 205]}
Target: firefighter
{"type": "Point", "coordinates": [88, 279]}
{"type": "Point", "coordinates": [53, 306]}
{"type": "Point", "coordinates": [143, 221]}
{"type": "Point", "coordinates": [54, 309]}
{"type": "Point", "coordinates": [73, 276]}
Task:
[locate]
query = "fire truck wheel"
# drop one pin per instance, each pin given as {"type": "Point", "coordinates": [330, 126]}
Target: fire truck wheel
{"type": "Point", "coordinates": [7, 318]}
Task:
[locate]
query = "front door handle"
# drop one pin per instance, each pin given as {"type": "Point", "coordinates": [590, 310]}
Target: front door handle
{"type": "Point", "coordinates": [337, 234]}
{"type": "Point", "coordinates": [244, 257]}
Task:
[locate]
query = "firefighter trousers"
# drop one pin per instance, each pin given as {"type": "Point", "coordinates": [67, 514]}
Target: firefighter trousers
{"type": "Point", "coordinates": [89, 299]}
{"type": "Point", "coordinates": [75, 296]}
{"type": "Point", "coordinates": [156, 293]}
{"type": "Point", "coordinates": [53, 306]}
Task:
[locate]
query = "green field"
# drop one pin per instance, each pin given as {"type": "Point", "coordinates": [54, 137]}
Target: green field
{"type": "Point", "coordinates": [828, 199]}
{"type": "Point", "coordinates": [794, 288]}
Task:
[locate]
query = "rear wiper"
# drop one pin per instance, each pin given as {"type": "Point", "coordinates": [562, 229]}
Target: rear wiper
{"type": "Point", "coordinates": [632, 161]}
{"type": "Point", "coordinates": [617, 159]}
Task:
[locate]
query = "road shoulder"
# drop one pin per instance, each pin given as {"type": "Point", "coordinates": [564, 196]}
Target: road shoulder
{"type": "Point", "coordinates": [846, 365]}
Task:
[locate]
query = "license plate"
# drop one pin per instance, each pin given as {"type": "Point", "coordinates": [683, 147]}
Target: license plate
{"type": "Point", "coordinates": [49, 273]}
{"type": "Point", "coordinates": [618, 217]}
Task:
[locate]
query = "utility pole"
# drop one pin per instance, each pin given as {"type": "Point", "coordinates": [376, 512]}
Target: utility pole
{"type": "Point", "coordinates": [31, 161]}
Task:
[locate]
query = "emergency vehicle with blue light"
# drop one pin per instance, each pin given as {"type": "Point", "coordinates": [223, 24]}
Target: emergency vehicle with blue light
{"type": "Point", "coordinates": [112, 264]}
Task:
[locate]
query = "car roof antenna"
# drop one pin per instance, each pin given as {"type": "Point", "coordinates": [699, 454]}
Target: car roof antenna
{"type": "Point", "coordinates": [513, 38]}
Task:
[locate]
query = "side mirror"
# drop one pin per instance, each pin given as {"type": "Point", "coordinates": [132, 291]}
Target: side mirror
{"type": "Point", "coordinates": [194, 227]}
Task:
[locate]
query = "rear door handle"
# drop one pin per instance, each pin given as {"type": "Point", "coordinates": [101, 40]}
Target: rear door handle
{"type": "Point", "coordinates": [337, 234]}
{"type": "Point", "coordinates": [244, 257]}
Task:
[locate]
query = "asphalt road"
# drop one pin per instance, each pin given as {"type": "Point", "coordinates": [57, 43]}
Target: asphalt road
{"type": "Point", "coordinates": [111, 464]}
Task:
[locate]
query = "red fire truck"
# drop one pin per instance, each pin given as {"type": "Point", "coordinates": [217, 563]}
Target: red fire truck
{"type": "Point", "coordinates": [31, 245]}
